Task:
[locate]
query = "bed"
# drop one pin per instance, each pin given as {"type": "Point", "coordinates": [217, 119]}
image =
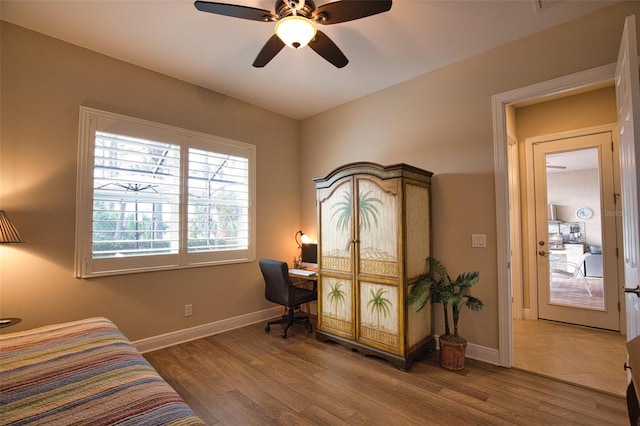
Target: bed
{"type": "Point", "coordinates": [85, 373]}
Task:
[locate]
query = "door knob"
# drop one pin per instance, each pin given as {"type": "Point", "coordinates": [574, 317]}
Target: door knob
{"type": "Point", "coordinates": [543, 253]}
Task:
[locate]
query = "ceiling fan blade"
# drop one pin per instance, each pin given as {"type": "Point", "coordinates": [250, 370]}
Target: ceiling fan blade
{"type": "Point", "coordinates": [326, 48]}
{"type": "Point", "coordinates": [236, 11]}
{"type": "Point", "coordinates": [348, 10]}
{"type": "Point", "coordinates": [269, 51]}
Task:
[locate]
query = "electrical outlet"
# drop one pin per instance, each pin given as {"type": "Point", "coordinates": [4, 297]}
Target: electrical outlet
{"type": "Point", "coordinates": [188, 310]}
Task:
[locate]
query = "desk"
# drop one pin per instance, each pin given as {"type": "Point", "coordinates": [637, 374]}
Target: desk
{"type": "Point", "coordinates": [295, 276]}
{"type": "Point", "coordinates": [300, 280]}
{"type": "Point", "coordinates": [305, 277]}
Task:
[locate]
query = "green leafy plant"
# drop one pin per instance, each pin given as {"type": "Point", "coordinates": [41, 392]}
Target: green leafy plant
{"type": "Point", "coordinates": [438, 287]}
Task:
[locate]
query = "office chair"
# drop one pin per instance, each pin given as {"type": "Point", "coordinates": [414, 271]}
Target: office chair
{"type": "Point", "coordinates": [571, 270]}
{"type": "Point", "coordinates": [279, 289]}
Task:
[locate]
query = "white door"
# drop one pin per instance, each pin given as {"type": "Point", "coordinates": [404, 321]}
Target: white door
{"type": "Point", "coordinates": [628, 100]}
{"type": "Point", "coordinates": [576, 240]}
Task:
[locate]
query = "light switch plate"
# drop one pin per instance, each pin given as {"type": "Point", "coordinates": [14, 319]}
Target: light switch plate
{"type": "Point", "coordinates": [478, 240]}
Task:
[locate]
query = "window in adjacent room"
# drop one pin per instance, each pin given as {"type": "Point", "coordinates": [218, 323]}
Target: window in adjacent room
{"type": "Point", "coordinates": [151, 197]}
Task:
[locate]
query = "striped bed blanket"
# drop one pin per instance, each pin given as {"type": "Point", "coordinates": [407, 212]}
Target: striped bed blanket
{"type": "Point", "coordinates": [83, 373]}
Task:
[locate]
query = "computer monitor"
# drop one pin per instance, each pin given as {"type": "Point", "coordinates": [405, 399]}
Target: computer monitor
{"type": "Point", "coordinates": [309, 255]}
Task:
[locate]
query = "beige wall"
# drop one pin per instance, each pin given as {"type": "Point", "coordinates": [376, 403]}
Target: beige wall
{"type": "Point", "coordinates": [44, 81]}
{"type": "Point", "coordinates": [574, 189]}
{"type": "Point", "coordinates": [594, 108]}
{"type": "Point", "coordinates": [442, 122]}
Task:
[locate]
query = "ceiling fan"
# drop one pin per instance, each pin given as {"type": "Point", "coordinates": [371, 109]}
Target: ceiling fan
{"type": "Point", "coordinates": [296, 24]}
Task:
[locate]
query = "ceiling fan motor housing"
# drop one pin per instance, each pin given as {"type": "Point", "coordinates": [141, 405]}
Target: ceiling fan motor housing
{"type": "Point", "coordinates": [284, 8]}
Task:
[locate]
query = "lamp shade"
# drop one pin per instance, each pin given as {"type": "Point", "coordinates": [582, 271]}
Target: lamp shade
{"type": "Point", "coordinates": [295, 31]}
{"type": "Point", "coordinates": [8, 232]}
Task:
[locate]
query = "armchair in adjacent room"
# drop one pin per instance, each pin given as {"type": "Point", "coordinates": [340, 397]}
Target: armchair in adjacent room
{"type": "Point", "coordinates": [280, 289]}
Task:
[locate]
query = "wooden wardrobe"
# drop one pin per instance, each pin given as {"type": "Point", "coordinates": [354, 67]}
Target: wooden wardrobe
{"type": "Point", "coordinates": [374, 235]}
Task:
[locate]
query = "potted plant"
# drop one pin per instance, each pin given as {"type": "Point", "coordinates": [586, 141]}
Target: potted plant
{"type": "Point", "coordinates": [438, 287]}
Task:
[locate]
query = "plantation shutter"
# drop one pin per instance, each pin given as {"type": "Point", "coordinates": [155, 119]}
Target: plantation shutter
{"type": "Point", "coordinates": [136, 196]}
{"type": "Point", "coordinates": [218, 202]}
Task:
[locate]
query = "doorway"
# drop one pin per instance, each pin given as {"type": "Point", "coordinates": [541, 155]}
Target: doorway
{"type": "Point", "coordinates": [569, 186]}
{"type": "Point", "coordinates": [504, 113]}
{"type": "Point", "coordinates": [572, 186]}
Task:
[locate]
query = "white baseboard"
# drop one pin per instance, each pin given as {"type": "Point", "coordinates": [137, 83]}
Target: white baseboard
{"type": "Point", "coordinates": [484, 354]}
{"type": "Point", "coordinates": [479, 353]}
{"type": "Point", "coordinates": [204, 330]}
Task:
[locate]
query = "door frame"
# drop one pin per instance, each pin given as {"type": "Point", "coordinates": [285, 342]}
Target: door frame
{"type": "Point", "coordinates": [593, 77]}
{"type": "Point", "coordinates": [515, 228]}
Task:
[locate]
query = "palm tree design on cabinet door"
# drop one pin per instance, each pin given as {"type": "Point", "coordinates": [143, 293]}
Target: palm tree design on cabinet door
{"type": "Point", "coordinates": [336, 297]}
{"type": "Point", "coordinates": [379, 304]}
{"type": "Point", "coordinates": [367, 212]}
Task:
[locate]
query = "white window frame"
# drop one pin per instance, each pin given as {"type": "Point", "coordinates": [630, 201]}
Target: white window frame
{"type": "Point", "coordinates": [92, 120]}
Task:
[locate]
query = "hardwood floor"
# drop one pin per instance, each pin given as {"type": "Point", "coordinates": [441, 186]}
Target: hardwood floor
{"type": "Point", "coordinates": [249, 377]}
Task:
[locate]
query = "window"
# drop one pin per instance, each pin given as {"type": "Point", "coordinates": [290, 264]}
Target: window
{"type": "Point", "coordinates": [151, 197]}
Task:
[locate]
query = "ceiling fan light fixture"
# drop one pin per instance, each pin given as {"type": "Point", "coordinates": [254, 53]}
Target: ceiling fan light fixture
{"type": "Point", "coordinates": [295, 31]}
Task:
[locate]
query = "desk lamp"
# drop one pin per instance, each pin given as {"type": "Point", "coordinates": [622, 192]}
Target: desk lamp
{"type": "Point", "coordinates": [8, 235]}
{"type": "Point", "coordinates": [304, 239]}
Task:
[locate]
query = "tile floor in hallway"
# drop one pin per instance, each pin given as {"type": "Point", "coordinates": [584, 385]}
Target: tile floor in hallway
{"type": "Point", "coordinates": [589, 357]}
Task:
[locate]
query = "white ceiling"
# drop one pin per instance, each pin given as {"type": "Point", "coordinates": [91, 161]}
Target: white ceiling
{"type": "Point", "coordinates": [216, 52]}
{"type": "Point", "coordinates": [571, 161]}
